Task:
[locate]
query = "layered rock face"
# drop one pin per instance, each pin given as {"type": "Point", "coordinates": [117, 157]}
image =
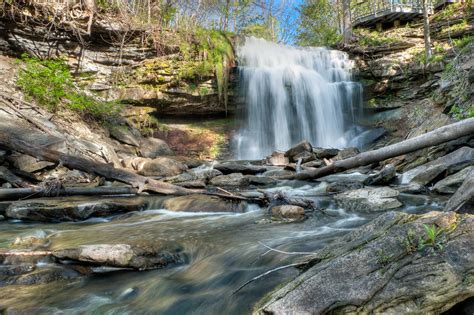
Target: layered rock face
{"type": "Point", "coordinates": [388, 266]}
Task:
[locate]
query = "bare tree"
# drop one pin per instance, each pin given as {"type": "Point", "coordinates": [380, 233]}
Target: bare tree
{"type": "Point", "coordinates": [426, 29]}
{"type": "Point", "coordinates": [346, 20]}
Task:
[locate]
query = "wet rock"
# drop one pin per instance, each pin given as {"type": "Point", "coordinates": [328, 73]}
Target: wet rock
{"type": "Point", "coordinates": [252, 194]}
{"type": "Point", "coordinates": [449, 164]}
{"type": "Point", "coordinates": [203, 203]}
{"type": "Point", "coordinates": [260, 180]}
{"type": "Point", "coordinates": [3, 155]}
{"type": "Point", "coordinates": [124, 135]}
{"type": "Point", "coordinates": [35, 239]}
{"type": "Point", "coordinates": [123, 255]}
{"type": "Point", "coordinates": [325, 153]}
{"type": "Point", "coordinates": [463, 199]}
{"type": "Point", "coordinates": [313, 164]}
{"type": "Point", "coordinates": [346, 153]}
{"type": "Point", "coordinates": [277, 159]}
{"type": "Point", "coordinates": [202, 175]}
{"type": "Point", "coordinates": [47, 274]}
{"type": "Point", "coordinates": [71, 209]}
{"type": "Point", "coordinates": [380, 269]}
{"type": "Point", "coordinates": [154, 147]}
{"type": "Point", "coordinates": [412, 188]}
{"type": "Point", "coordinates": [2, 218]}
{"type": "Point", "coordinates": [234, 179]}
{"type": "Point", "coordinates": [233, 167]}
{"type": "Point", "coordinates": [28, 163]}
{"type": "Point", "coordinates": [278, 172]}
{"type": "Point", "coordinates": [383, 177]}
{"type": "Point", "coordinates": [369, 199]}
{"type": "Point", "coordinates": [157, 167]}
{"type": "Point", "coordinates": [450, 184]}
{"type": "Point", "coordinates": [304, 157]}
{"type": "Point", "coordinates": [296, 151]}
{"type": "Point", "coordinates": [343, 186]}
{"type": "Point", "coordinates": [287, 213]}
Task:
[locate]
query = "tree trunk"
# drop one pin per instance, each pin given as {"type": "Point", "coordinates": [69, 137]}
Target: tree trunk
{"type": "Point", "coordinates": [426, 30]}
{"type": "Point", "coordinates": [108, 171]}
{"type": "Point", "coordinates": [435, 137]}
{"type": "Point", "coordinates": [346, 18]}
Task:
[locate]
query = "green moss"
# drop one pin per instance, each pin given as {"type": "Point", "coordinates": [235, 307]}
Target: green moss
{"type": "Point", "coordinates": [371, 39]}
{"type": "Point", "coordinates": [50, 84]}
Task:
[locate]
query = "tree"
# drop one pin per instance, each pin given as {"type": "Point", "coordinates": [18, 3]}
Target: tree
{"type": "Point", "coordinates": [346, 19]}
{"type": "Point", "coordinates": [426, 30]}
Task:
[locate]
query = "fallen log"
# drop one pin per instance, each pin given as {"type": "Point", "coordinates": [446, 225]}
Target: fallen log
{"type": "Point", "coordinates": [435, 137]}
{"type": "Point", "coordinates": [24, 193]}
{"type": "Point", "coordinates": [105, 170]}
{"type": "Point", "coordinates": [11, 178]}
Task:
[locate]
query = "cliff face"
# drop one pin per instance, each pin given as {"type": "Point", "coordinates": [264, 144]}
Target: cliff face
{"type": "Point", "coordinates": [122, 64]}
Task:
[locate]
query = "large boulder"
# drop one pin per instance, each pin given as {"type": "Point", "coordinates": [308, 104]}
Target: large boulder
{"type": "Point", "coordinates": [450, 163]}
{"type": "Point", "coordinates": [122, 255]}
{"type": "Point", "coordinates": [302, 150]}
{"type": "Point", "coordinates": [203, 203]}
{"type": "Point", "coordinates": [382, 177]}
{"type": "Point", "coordinates": [124, 135]}
{"type": "Point", "coordinates": [287, 213]}
{"type": "Point", "coordinates": [71, 208]}
{"type": "Point", "coordinates": [277, 159]}
{"type": "Point", "coordinates": [28, 163]}
{"type": "Point", "coordinates": [157, 167]}
{"type": "Point", "coordinates": [369, 199]}
{"type": "Point", "coordinates": [388, 266]}
{"type": "Point", "coordinates": [154, 147]}
{"type": "Point", "coordinates": [234, 179]}
{"type": "Point", "coordinates": [450, 184]}
{"type": "Point", "coordinates": [234, 167]}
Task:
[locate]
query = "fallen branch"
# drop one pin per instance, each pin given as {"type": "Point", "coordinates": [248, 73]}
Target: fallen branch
{"type": "Point", "coordinates": [270, 249]}
{"type": "Point", "coordinates": [11, 178]}
{"type": "Point", "coordinates": [24, 193]}
{"type": "Point", "coordinates": [435, 137]}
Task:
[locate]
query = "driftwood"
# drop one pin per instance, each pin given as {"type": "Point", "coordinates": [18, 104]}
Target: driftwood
{"type": "Point", "coordinates": [435, 137]}
{"type": "Point", "coordinates": [23, 193]}
{"type": "Point", "coordinates": [105, 170]}
{"type": "Point", "coordinates": [11, 178]}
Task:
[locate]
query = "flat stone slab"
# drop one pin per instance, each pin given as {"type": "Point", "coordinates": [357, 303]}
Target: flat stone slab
{"type": "Point", "coordinates": [369, 199]}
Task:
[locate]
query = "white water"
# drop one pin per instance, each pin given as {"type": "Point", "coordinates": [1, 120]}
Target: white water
{"type": "Point", "coordinates": [294, 94]}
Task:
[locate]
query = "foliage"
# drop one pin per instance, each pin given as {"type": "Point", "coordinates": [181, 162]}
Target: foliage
{"type": "Point", "coordinates": [432, 238]}
{"type": "Point", "coordinates": [456, 27]}
{"type": "Point", "coordinates": [257, 30]}
{"type": "Point", "coordinates": [49, 83]}
{"type": "Point", "coordinates": [463, 42]}
{"type": "Point", "coordinates": [382, 258]}
{"type": "Point", "coordinates": [318, 24]}
{"type": "Point", "coordinates": [371, 39]}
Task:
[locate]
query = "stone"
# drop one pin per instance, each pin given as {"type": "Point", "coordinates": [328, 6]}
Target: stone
{"type": "Point", "coordinates": [278, 172]}
{"type": "Point", "coordinates": [234, 167]}
{"type": "Point", "coordinates": [260, 180]}
{"type": "Point", "coordinates": [289, 213]}
{"type": "Point", "coordinates": [294, 152]}
{"type": "Point", "coordinates": [154, 147]}
{"type": "Point", "coordinates": [450, 184]}
{"type": "Point", "coordinates": [28, 163]}
{"type": "Point", "coordinates": [450, 163]}
{"type": "Point", "coordinates": [124, 135]}
{"type": "Point", "coordinates": [203, 203]}
{"type": "Point", "coordinates": [312, 164]}
{"type": "Point", "coordinates": [325, 153]}
{"type": "Point", "coordinates": [3, 155]}
{"type": "Point", "coordinates": [123, 255]}
{"type": "Point", "coordinates": [157, 167]}
{"type": "Point", "coordinates": [369, 199]}
{"type": "Point", "coordinates": [277, 159]}
{"type": "Point", "coordinates": [71, 208]}
{"type": "Point", "coordinates": [463, 199]}
{"type": "Point", "coordinates": [412, 188]}
{"type": "Point", "coordinates": [346, 153]}
{"type": "Point", "coordinates": [383, 177]}
{"type": "Point", "coordinates": [380, 268]}
{"type": "Point", "coordinates": [191, 175]}
{"type": "Point", "coordinates": [234, 179]}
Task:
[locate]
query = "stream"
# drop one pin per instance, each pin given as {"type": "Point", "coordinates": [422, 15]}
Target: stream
{"type": "Point", "coordinates": [223, 252]}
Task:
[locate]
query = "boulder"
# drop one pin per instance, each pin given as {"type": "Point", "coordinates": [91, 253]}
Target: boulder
{"type": "Point", "coordinates": [278, 172]}
{"type": "Point", "coordinates": [234, 167]}
{"type": "Point", "coordinates": [234, 179]}
{"type": "Point", "coordinates": [277, 159]}
{"type": "Point", "coordinates": [383, 177]}
{"type": "Point", "coordinates": [450, 163]}
{"type": "Point", "coordinates": [157, 167]}
{"type": "Point", "coordinates": [202, 203]}
{"type": "Point", "coordinates": [450, 184]}
{"type": "Point", "coordinates": [28, 163]}
{"type": "Point", "coordinates": [346, 153]}
{"type": "Point", "coordinates": [71, 208]}
{"type": "Point", "coordinates": [312, 164]}
{"type": "Point", "coordinates": [388, 266]}
{"type": "Point", "coordinates": [296, 151]}
{"type": "Point", "coordinates": [154, 147]}
{"type": "Point", "coordinates": [124, 135]}
{"type": "Point", "coordinates": [288, 213]}
{"type": "Point", "coordinates": [122, 255]}
{"type": "Point", "coordinates": [463, 199]}
{"type": "Point", "coordinates": [369, 199]}
{"type": "Point", "coordinates": [412, 188]}
{"type": "Point", "coordinates": [325, 153]}
{"type": "Point", "coordinates": [203, 175]}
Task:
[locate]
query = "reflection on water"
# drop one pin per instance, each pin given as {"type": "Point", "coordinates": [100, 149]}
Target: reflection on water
{"type": "Point", "coordinates": [222, 250]}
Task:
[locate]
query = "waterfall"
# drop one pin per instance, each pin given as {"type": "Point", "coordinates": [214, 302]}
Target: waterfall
{"type": "Point", "coordinates": [292, 94]}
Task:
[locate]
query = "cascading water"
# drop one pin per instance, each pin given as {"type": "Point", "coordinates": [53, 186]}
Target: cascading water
{"type": "Point", "coordinates": [293, 94]}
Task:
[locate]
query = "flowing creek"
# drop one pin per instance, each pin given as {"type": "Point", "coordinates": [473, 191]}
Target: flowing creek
{"type": "Point", "coordinates": [222, 250]}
